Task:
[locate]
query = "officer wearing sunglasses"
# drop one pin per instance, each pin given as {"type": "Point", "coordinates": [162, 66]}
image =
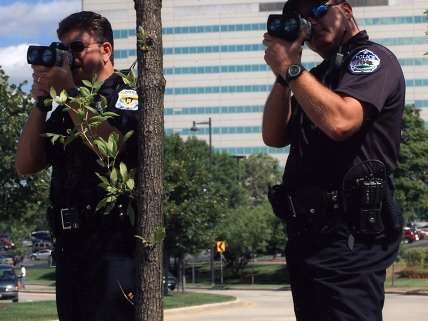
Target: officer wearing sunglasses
{"type": "Point", "coordinates": [94, 252]}
{"type": "Point", "coordinates": [338, 117]}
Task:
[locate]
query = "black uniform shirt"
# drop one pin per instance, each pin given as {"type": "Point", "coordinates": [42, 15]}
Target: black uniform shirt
{"type": "Point", "coordinates": [74, 183]}
{"type": "Point", "coordinates": [371, 74]}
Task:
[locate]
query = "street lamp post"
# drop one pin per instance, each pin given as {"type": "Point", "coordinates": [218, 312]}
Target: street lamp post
{"type": "Point", "coordinates": [195, 128]}
{"type": "Point", "coordinates": [210, 133]}
{"type": "Point", "coordinates": [238, 158]}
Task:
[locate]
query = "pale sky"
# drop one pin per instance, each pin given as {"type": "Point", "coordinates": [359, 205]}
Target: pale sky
{"type": "Point", "coordinates": [25, 22]}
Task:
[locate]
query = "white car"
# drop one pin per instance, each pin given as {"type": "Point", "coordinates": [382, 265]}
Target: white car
{"type": "Point", "coordinates": [41, 255]}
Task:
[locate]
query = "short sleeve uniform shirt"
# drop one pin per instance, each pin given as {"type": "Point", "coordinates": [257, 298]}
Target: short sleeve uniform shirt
{"type": "Point", "coordinates": [371, 74]}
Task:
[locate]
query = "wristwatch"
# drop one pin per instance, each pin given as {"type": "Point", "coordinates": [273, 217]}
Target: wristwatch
{"type": "Point", "coordinates": [293, 72]}
{"type": "Point", "coordinates": [40, 104]}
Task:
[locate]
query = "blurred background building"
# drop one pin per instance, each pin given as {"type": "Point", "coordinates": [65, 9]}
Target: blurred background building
{"type": "Point", "coordinates": [214, 67]}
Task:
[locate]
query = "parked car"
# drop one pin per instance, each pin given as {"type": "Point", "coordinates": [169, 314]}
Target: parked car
{"type": "Point", "coordinates": [6, 259]}
{"type": "Point", "coordinates": [6, 244]}
{"type": "Point", "coordinates": [8, 283]}
{"type": "Point", "coordinates": [409, 236]}
{"type": "Point", "coordinates": [171, 281]}
{"type": "Point", "coordinates": [41, 255]}
{"type": "Point", "coordinates": [421, 234]}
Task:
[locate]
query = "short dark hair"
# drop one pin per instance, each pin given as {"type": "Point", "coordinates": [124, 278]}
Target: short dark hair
{"type": "Point", "coordinates": [93, 23]}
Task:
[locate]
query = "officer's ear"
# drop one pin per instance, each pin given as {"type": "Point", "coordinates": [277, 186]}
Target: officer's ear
{"type": "Point", "coordinates": [107, 51]}
{"type": "Point", "coordinates": [347, 10]}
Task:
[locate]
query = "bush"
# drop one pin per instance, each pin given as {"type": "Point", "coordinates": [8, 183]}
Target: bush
{"type": "Point", "coordinates": [415, 257]}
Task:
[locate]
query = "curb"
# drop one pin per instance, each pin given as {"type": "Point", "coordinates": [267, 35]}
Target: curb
{"type": "Point", "coordinates": [407, 292]}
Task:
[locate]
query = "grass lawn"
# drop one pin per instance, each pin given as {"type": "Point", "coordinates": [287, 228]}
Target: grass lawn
{"type": "Point", "coordinates": [46, 310]}
{"type": "Point", "coordinates": [260, 274]}
{"type": "Point", "coordinates": [34, 311]}
{"type": "Point", "coordinates": [41, 276]}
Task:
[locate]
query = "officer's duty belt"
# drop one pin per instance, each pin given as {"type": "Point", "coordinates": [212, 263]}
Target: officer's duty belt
{"type": "Point", "coordinates": [304, 203]}
{"type": "Point", "coordinates": [85, 217]}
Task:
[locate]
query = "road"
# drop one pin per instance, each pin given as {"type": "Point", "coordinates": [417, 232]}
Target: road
{"type": "Point", "coordinates": [273, 306]}
{"type": "Point", "coordinates": [277, 306]}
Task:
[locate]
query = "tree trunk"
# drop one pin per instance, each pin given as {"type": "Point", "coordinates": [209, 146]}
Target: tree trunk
{"type": "Point", "coordinates": [151, 85]}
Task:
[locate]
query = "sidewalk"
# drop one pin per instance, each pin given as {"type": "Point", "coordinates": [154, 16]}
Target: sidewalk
{"type": "Point", "coordinates": [36, 288]}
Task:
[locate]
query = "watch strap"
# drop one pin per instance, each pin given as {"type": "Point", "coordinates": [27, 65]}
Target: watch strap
{"type": "Point", "coordinates": [280, 80]}
{"type": "Point", "coordinates": [40, 104]}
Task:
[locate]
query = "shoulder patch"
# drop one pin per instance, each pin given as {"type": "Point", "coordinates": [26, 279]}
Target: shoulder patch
{"type": "Point", "coordinates": [364, 62]}
{"type": "Point", "coordinates": [127, 100]}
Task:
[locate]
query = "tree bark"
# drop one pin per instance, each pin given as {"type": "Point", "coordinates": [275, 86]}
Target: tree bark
{"type": "Point", "coordinates": [151, 86]}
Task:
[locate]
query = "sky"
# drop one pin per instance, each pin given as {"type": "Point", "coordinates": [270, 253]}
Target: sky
{"type": "Point", "coordinates": [25, 22]}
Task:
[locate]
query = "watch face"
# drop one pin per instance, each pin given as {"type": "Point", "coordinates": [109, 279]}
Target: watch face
{"type": "Point", "coordinates": [294, 70]}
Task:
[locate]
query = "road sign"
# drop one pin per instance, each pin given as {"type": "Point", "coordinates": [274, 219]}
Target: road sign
{"type": "Point", "coordinates": [220, 246]}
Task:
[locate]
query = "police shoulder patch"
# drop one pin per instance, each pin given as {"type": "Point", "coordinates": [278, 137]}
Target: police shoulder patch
{"type": "Point", "coordinates": [127, 100]}
{"type": "Point", "coordinates": [364, 62]}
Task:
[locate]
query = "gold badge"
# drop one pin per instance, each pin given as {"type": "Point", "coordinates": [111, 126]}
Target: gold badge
{"type": "Point", "coordinates": [127, 100]}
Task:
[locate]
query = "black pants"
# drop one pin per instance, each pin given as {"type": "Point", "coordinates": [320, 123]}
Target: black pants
{"type": "Point", "coordinates": [333, 279]}
{"type": "Point", "coordinates": [93, 287]}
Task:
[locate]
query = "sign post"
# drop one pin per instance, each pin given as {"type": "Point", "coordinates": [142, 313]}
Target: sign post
{"type": "Point", "coordinates": [220, 248]}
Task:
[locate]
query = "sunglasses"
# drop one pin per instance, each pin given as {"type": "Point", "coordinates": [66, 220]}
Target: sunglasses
{"type": "Point", "coordinates": [78, 46]}
{"type": "Point", "coordinates": [320, 10]}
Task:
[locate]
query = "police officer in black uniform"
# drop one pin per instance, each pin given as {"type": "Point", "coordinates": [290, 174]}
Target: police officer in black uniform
{"type": "Point", "coordinates": [94, 252]}
{"type": "Point", "coordinates": [342, 121]}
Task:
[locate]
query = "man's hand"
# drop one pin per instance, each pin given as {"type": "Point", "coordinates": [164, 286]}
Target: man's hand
{"type": "Point", "coordinates": [280, 54]}
{"type": "Point", "coordinates": [46, 77]}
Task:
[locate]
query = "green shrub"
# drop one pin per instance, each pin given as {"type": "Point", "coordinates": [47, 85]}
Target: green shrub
{"type": "Point", "coordinates": [415, 257]}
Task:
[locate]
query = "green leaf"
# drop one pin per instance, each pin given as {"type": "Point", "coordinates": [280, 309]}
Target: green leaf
{"type": "Point", "coordinates": [130, 183]}
{"type": "Point", "coordinates": [47, 102]}
{"type": "Point", "coordinates": [113, 176]}
{"type": "Point", "coordinates": [102, 146]}
{"type": "Point", "coordinates": [109, 114]}
{"type": "Point", "coordinates": [52, 92]}
{"type": "Point", "coordinates": [63, 96]}
{"type": "Point", "coordinates": [102, 204]}
{"type": "Point", "coordinates": [87, 83]}
{"type": "Point", "coordinates": [101, 163]}
{"type": "Point", "coordinates": [92, 110]}
{"type": "Point", "coordinates": [123, 171]}
{"type": "Point", "coordinates": [127, 136]}
{"type": "Point", "coordinates": [103, 179]}
{"type": "Point", "coordinates": [97, 85]}
{"type": "Point", "coordinates": [85, 91]}
{"type": "Point", "coordinates": [69, 139]}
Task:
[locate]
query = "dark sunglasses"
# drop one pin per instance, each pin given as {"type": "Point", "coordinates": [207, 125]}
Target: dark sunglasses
{"type": "Point", "coordinates": [320, 10]}
{"type": "Point", "coordinates": [78, 46]}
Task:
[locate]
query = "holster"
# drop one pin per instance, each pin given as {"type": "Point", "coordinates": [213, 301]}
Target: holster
{"type": "Point", "coordinates": [368, 200]}
{"type": "Point", "coordinates": [280, 200]}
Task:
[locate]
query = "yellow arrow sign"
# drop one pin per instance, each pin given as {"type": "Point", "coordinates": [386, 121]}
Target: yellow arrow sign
{"type": "Point", "coordinates": [220, 246]}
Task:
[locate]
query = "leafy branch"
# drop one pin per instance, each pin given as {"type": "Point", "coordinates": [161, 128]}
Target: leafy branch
{"type": "Point", "coordinates": [117, 180]}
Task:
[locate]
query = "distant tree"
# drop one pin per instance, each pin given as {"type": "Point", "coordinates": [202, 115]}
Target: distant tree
{"type": "Point", "coordinates": [412, 174]}
{"type": "Point", "coordinates": [260, 171]}
{"type": "Point", "coordinates": [198, 193]}
{"type": "Point", "coordinates": [23, 200]}
{"type": "Point", "coordinates": [247, 231]}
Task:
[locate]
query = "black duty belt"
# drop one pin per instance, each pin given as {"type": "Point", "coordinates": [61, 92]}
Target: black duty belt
{"type": "Point", "coordinates": [78, 219]}
{"type": "Point", "coordinates": [305, 203]}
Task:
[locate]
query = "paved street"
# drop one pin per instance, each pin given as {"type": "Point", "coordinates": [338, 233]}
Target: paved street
{"type": "Point", "coordinates": [277, 306]}
{"type": "Point", "coordinates": [272, 306]}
